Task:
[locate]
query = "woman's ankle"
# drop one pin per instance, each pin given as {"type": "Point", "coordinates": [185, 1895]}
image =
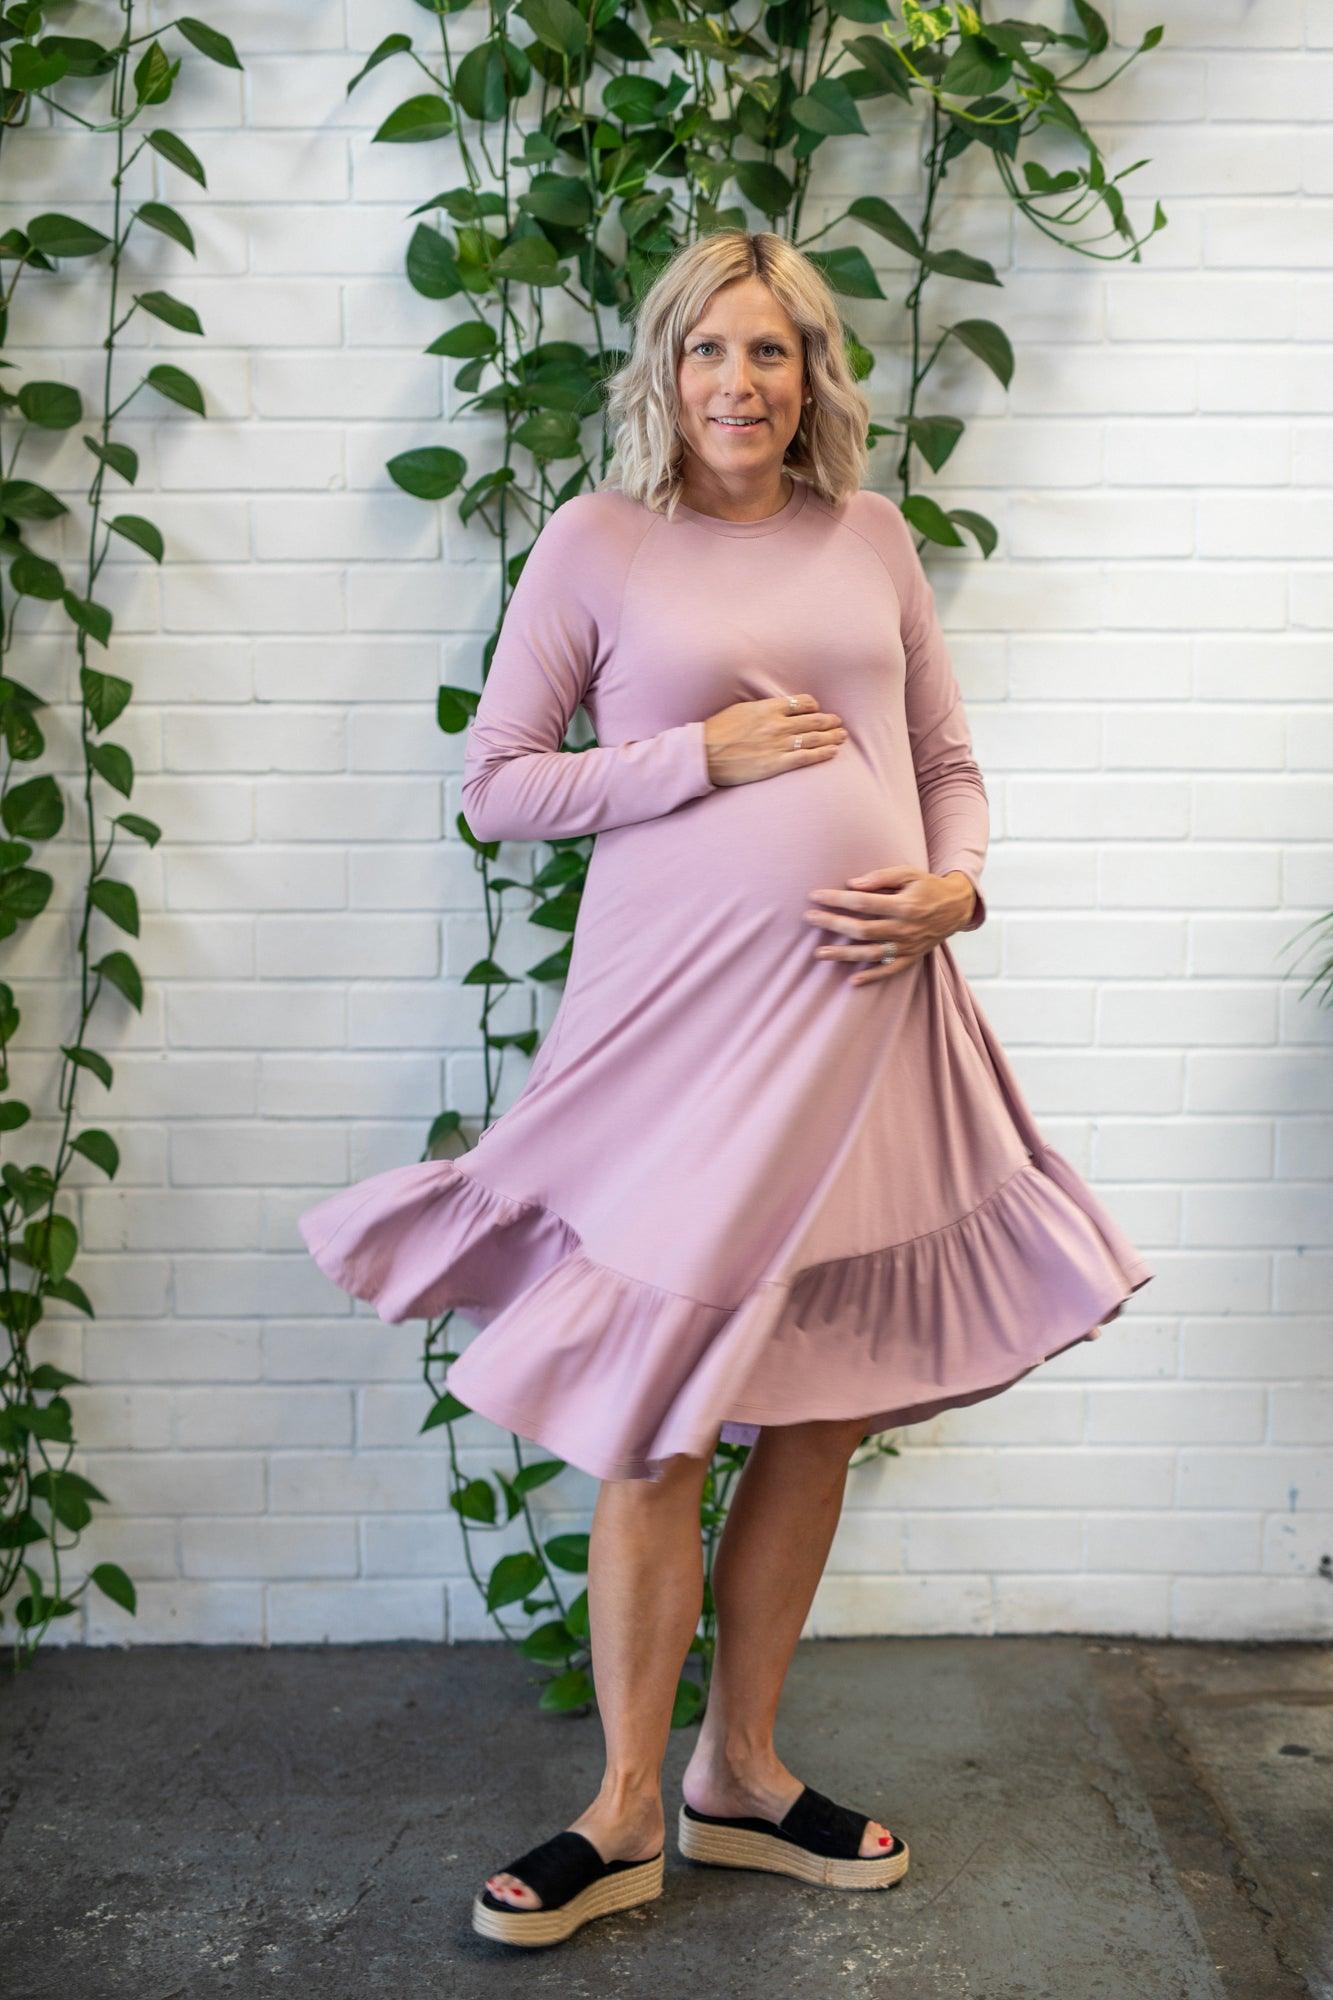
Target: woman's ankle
{"type": "Point", "coordinates": [627, 1796]}
{"type": "Point", "coordinates": [737, 1758]}
{"type": "Point", "coordinates": [630, 1826]}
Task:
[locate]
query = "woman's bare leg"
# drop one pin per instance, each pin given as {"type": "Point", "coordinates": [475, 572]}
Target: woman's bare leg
{"type": "Point", "coordinates": [645, 1593]}
{"type": "Point", "coordinates": [771, 1556]}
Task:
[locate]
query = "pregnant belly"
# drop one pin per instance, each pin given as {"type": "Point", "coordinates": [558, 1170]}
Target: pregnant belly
{"type": "Point", "coordinates": [742, 859]}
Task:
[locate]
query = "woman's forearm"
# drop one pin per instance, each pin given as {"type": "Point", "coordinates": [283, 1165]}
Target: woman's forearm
{"type": "Point", "coordinates": [512, 791]}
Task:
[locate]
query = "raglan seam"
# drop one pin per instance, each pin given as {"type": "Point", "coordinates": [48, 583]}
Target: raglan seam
{"type": "Point", "coordinates": [860, 536]}
{"type": "Point", "coordinates": [648, 527]}
{"type": "Point", "coordinates": [604, 649]}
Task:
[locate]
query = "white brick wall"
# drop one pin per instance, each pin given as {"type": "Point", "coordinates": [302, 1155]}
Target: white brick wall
{"type": "Point", "coordinates": [1147, 671]}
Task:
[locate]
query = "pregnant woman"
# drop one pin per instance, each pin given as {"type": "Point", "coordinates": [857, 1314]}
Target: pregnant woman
{"type": "Point", "coordinates": [771, 1178]}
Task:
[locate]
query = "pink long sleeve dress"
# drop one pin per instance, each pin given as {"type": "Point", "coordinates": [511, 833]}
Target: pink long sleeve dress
{"type": "Point", "coordinates": [735, 1190]}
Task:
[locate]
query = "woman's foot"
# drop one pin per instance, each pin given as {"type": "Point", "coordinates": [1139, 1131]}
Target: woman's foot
{"type": "Point", "coordinates": [762, 1789]}
{"type": "Point", "coordinates": [619, 1832]}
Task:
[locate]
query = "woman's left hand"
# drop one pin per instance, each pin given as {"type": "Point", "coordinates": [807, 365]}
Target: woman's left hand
{"type": "Point", "coordinates": [905, 907]}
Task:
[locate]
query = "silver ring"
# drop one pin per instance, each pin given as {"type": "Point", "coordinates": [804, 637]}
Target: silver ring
{"type": "Point", "coordinates": [797, 742]}
{"type": "Point", "coordinates": [889, 951]}
{"type": "Point", "coordinates": [791, 704]}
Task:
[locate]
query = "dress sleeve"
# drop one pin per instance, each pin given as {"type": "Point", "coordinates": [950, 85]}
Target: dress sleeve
{"type": "Point", "coordinates": [954, 805]}
{"type": "Point", "coordinates": [518, 784]}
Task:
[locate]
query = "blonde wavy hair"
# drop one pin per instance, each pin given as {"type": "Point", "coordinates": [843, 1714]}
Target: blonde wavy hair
{"type": "Point", "coordinates": [829, 450]}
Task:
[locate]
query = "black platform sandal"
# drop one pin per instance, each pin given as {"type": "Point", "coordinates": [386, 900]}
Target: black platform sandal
{"type": "Point", "coordinates": [815, 1840]}
{"type": "Point", "coordinates": [574, 1884]}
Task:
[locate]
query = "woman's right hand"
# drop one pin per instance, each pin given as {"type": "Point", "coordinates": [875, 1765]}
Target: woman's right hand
{"type": "Point", "coordinates": [753, 739]}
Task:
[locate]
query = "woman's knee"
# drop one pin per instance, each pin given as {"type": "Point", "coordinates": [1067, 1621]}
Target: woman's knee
{"type": "Point", "coordinates": [674, 1476]}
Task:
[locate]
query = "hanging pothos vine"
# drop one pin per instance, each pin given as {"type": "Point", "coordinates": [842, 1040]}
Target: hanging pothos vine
{"type": "Point", "coordinates": [111, 90]}
{"type": "Point", "coordinates": [562, 135]}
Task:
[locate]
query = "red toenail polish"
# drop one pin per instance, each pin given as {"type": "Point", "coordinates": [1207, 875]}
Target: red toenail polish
{"type": "Point", "coordinates": [884, 1840]}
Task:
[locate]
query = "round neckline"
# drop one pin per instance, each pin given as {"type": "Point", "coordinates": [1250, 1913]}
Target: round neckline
{"type": "Point", "coordinates": [768, 524]}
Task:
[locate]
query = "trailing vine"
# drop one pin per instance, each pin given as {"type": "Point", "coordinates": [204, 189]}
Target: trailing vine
{"type": "Point", "coordinates": [608, 142]}
{"type": "Point", "coordinates": [44, 1506]}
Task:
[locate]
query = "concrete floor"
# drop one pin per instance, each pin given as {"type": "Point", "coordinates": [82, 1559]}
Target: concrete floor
{"type": "Point", "coordinates": [1087, 1818]}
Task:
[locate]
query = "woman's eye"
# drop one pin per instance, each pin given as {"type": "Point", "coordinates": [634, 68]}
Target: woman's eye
{"type": "Point", "coordinates": [770, 345]}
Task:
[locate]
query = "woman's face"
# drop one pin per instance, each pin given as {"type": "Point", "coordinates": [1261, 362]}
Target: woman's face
{"type": "Point", "coordinates": [741, 358]}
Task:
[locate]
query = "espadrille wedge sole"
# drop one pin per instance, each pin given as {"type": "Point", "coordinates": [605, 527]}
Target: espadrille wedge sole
{"type": "Point", "coordinates": [815, 1841]}
{"type": "Point", "coordinates": [575, 1885]}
